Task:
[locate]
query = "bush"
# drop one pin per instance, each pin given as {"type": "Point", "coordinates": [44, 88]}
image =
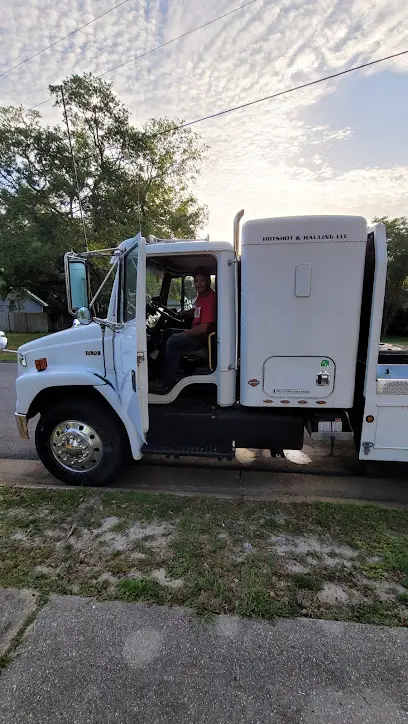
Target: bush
{"type": "Point", "coordinates": [399, 323]}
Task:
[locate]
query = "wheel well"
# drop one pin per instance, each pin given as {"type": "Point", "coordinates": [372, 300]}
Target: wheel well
{"type": "Point", "coordinates": [55, 395]}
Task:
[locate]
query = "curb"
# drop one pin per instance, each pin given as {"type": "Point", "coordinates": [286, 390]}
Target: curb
{"type": "Point", "coordinates": [222, 483]}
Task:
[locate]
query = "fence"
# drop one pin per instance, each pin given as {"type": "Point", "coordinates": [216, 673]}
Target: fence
{"type": "Point", "coordinates": [26, 322]}
{"type": "Point", "coordinates": [64, 321]}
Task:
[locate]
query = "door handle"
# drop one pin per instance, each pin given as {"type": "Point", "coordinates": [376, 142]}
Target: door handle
{"type": "Point", "coordinates": [134, 380]}
{"type": "Point", "coordinates": [322, 379]}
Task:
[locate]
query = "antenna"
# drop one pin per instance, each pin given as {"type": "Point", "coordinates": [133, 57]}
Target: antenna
{"type": "Point", "coordinates": [74, 166]}
{"type": "Point", "coordinates": [138, 200]}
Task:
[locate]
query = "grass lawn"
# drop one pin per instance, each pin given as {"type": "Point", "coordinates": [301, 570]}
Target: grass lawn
{"type": "Point", "coordinates": [254, 559]}
{"type": "Point", "coordinates": [15, 340]}
{"type": "Point", "coordinates": [396, 340]}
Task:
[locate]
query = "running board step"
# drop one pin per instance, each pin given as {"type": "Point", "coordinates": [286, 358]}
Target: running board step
{"type": "Point", "coordinates": [195, 451]}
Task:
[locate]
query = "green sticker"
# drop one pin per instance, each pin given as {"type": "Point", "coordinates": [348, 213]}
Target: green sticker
{"type": "Point", "coordinates": [324, 363]}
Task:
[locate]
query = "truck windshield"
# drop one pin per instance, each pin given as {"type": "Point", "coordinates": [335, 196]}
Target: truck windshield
{"type": "Point", "coordinates": [154, 280]}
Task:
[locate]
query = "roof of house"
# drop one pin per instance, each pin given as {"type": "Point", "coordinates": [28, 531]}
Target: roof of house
{"type": "Point", "coordinates": [35, 298]}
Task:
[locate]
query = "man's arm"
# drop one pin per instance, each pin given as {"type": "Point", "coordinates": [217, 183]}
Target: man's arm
{"type": "Point", "coordinates": [198, 330]}
{"type": "Point", "coordinates": [188, 314]}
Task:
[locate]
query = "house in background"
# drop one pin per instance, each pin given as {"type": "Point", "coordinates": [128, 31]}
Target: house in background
{"type": "Point", "coordinates": [23, 313]}
{"type": "Point", "coordinates": [29, 303]}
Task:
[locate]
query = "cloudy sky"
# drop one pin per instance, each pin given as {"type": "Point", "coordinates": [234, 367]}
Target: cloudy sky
{"type": "Point", "coordinates": [340, 147]}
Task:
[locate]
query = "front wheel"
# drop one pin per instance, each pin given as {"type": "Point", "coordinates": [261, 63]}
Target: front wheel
{"type": "Point", "coordinates": [80, 443]}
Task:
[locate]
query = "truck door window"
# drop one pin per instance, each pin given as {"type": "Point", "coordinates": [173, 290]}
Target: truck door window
{"type": "Point", "coordinates": [130, 282]}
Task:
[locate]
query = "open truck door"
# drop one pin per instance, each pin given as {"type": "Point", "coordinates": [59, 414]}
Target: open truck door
{"type": "Point", "coordinates": [130, 342]}
{"type": "Point", "coordinates": [384, 433]}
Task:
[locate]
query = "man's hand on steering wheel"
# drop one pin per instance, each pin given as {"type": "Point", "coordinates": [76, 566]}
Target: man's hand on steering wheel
{"type": "Point", "coordinates": [165, 312]}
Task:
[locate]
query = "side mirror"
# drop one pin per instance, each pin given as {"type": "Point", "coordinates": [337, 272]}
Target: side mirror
{"type": "Point", "coordinates": [83, 316]}
{"type": "Point", "coordinates": [77, 282]}
{"type": "Point", "coordinates": [3, 341]}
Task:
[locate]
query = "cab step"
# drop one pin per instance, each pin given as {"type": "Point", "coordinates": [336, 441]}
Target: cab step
{"type": "Point", "coordinates": [196, 451]}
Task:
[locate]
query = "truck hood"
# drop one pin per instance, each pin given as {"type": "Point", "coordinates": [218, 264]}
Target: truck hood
{"type": "Point", "coordinates": [77, 347]}
{"type": "Point", "coordinates": [90, 332]}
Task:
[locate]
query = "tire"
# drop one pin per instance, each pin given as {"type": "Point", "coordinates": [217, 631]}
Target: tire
{"type": "Point", "coordinates": [62, 447]}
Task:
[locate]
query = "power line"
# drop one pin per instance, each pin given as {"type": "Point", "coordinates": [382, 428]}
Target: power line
{"type": "Point", "coordinates": [279, 93]}
{"type": "Point", "coordinates": [163, 45]}
{"type": "Point", "coordinates": [179, 37]}
{"type": "Point", "coordinates": [284, 92]}
{"type": "Point", "coordinates": [81, 27]}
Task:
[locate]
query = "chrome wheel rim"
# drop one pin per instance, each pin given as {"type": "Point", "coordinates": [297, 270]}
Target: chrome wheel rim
{"type": "Point", "coordinates": [76, 446]}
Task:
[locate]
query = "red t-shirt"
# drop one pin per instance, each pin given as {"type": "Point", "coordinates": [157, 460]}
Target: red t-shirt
{"type": "Point", "coordinates": [204, 309]}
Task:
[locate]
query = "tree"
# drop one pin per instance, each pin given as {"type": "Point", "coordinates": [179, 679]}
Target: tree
{"type": "Point", "coordinates": [397, 273]}
{"type": "Point", "coordinates": [128, 178]}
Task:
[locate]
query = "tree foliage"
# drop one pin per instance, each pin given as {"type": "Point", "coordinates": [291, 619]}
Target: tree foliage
{"type": "Point", "coordinates": [397, 273]}
{"type": "Point", "coordinates": [128, 178]}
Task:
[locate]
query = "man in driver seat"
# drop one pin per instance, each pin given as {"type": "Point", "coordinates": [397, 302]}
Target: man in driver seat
{"type": "Point", "coordinates": [181, 342]}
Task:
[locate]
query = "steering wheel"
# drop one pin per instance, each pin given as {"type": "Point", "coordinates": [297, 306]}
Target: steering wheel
{"type": "Point", "coordinates": [164, 312]}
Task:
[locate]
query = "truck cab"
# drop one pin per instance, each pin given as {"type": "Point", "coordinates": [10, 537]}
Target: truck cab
{"type": "Point", "coordinates": [295, 347]}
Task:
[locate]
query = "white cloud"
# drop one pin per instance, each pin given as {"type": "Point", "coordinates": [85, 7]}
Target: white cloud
{"type": "Point", "coordinates": [267, 158]}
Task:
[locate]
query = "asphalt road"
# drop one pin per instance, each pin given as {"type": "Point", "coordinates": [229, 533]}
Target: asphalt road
{"type": "Point", "coordinates": [314, 458]}
{"type": "Point", "coordinates": [253, 474]}
{"type": "Point", "coordinates": [11, 445]}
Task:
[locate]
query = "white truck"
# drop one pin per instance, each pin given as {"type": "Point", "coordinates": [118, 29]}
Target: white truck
{"type": "Point", "coordinates": [296, 346]}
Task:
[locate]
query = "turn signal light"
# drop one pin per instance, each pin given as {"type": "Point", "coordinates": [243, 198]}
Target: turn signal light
{"type": "Point", "coordinates": [370, 418]}
{"type": "Point", "coordinates": [41, 364]}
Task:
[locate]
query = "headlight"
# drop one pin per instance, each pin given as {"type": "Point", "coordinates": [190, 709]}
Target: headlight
{"type": "Point", "coordinates": [22, 360]}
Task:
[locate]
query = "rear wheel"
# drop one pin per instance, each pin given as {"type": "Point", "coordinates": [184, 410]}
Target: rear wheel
{"type": "Point", "coordinates": [80, 443]}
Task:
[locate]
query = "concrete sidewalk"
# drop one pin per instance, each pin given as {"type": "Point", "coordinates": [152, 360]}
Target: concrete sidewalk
{"type": "Point", "coordinates": [84, 662]}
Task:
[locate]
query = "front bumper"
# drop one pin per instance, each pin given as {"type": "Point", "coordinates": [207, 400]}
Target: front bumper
{"type": "Point", "coordinates": [22, 425]}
